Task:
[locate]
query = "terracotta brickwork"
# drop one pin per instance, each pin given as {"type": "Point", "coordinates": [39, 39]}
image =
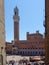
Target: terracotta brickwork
{"type": "Point", "coordinates": [33, 45]}
{"type": "Point", "coordinates": [16, 24]}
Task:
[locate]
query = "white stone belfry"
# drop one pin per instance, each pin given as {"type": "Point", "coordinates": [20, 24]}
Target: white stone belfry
{"type": "Point", "coordinates": [2, 34]}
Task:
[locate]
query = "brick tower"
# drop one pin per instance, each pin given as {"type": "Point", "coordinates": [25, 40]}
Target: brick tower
{"type": "Point", "coordinates": [47, 31]}
{"type": "Point", "coordinates": [16, 24]}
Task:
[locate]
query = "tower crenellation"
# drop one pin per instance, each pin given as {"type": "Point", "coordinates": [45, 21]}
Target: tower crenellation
{"type": "Point", "coordinates": [34, 41]}
{"type": "Point", "coordinates": [16, 15]}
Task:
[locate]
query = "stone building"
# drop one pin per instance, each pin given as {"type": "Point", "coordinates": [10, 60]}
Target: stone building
{"type": "Point", "coordinates": [33, 46]}
{"type": "Point", "coordinates": [2, 34]}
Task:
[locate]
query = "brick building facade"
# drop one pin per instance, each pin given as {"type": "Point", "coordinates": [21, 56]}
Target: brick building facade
{"type": "Point", "coordinates": [33, 46]}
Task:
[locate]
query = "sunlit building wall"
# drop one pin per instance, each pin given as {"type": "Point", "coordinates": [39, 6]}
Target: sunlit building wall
{"type": "Point", "coordinates": [2, 33]}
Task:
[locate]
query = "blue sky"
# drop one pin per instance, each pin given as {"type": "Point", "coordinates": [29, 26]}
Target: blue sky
{"type": "Point", "coordinates": [31, 14]}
